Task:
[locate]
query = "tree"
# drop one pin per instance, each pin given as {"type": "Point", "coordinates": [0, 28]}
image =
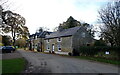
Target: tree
{"type": "Point", "coordinates": [55, 29]}
{"type": "Point", "coordinates": [71, 22]}
{"type": "Point", "coordinates": [89, 28]}
{"type": "Point", "coordinates": [110, 18]}
{"type": "Point", "coordinates": [21, 42]}
{"type": "Point", "coordinates": [41, 29]}
{"type": "Point", "coordinates": [23, 32]}
{"type": "Point", "coordinates": [6, 40]}
{"type": "Point", "coordinates": [14, 23]}
{"type": "Point", "coordinates": [100, 42]}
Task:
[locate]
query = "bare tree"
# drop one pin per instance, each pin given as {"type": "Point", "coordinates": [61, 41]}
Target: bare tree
{"type": "Point", "coordinates": [41, 29]}
{"type": "Point", "coordinates": [110, 18]}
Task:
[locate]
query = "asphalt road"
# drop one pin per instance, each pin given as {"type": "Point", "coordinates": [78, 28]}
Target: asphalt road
{"type": "Point", "coordinates": [50, 63]}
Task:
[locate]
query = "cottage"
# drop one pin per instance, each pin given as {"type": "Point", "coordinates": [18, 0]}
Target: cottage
{"type": "Point", "coordinates": [36, 41]}
{"type": "Point", "coordinates": [67, 41]}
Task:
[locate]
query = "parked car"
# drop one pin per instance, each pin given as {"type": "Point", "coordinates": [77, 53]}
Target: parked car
{"type": "Point", "coordinates": [8, 49]}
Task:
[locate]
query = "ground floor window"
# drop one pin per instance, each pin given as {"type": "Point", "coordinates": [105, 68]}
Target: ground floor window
{"type": "Point", "coordinates": [88, 44]}
{"type": "Point", "coordinates": [48, 47]}
{"type": "Point", "coordinates": [59, 47]}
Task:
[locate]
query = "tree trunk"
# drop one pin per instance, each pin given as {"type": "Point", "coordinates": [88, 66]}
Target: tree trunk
{"type": "Point", "coordinates": [14, 38]}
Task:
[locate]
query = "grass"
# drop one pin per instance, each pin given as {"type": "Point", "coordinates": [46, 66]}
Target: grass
{"type": "Point", "coordinates": [13, 65]}
{"type": "Point", "coordinates": [0, 66]}
{"type": "Point", "coordinates": [115, 62]}
{"type": "Point", "coordinates": [98, 59]}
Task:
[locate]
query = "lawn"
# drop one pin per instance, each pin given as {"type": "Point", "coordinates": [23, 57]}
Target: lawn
{"type": "Point", "coordinates": [0, 66]}
{"type": "Point", "coordinates": [114, 62]}
{"type": "Point", "coordinates": [13, 65]}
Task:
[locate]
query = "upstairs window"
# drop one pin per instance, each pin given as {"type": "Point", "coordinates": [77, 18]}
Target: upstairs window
{"type": "Point", "coordinates": [59, 39]}
{"type": "Point", "coordinates": [36, 37]}
{"type": "Point", "coordinates": [48, 40]}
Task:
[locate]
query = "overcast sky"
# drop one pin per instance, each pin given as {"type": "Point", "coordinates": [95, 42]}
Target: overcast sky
{"type": "Point", "coordinates": [49, 13]}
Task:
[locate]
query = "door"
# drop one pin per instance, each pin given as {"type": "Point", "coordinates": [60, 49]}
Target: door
{"type": "Point", "coordinates": [53, 47]}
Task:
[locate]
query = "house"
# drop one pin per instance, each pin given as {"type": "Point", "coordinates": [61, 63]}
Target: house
{"type": "Point", "coordinates": [36, 41]}
{"type": "Point", "coordinates": [67, 41]}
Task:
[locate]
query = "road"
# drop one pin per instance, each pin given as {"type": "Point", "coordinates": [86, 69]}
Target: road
{"type": "Point", "coordinates": [51, 63]}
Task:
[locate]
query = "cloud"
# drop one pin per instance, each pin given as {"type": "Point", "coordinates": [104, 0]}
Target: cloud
{"type": "Point", "coordinates": [49, 13]}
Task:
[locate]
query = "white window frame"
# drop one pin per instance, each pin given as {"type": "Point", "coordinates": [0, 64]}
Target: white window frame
{"type": "Point", "coordinates": [48, 47]}
{"type": "Point", "coordinates": [59, 39]}
{"type": "Point", "coordinates": [59, 46]}
{"type": "Point", "coordinates": [36, 37]}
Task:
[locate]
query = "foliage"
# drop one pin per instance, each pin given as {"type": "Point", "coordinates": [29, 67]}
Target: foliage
{"type": "Point", "coordinates": [109, 16]}
{"type": "Point", "coordinates": [6, 40]}
{"type": "Point", "coordinates": [1, 44]}
{"type": "Point", "coordinates": [41, 29]}
{"type": "Point", "coordinates": [93, 50]}
{"type": "Point", "coordinates": [13, 65]}
{"type": "Point", "coordinates": [99, 43]}
{"type": "Point", "coordinates": [71, 22]}
{"type": "Point", "coordinates": [115, 62]}
{"type": "Point", "coordinates": [20, 42]}
{"type": "Point", "coordinates": [14, 23]}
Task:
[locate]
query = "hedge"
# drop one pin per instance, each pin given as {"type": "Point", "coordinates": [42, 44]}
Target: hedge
{"type": "Point", "coordinates": [92, 50]}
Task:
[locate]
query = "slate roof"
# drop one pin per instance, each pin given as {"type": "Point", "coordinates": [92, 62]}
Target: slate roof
{"type": "Point", "coordinates": [65, 32]}
{"type": "Point", "coordinates": [40, 34]}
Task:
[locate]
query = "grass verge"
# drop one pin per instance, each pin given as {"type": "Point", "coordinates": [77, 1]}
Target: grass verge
{"type": "Point", "coordinates": [98, 59]}
{"type": "Point", "coordinates": [13, 65]}
{"type": "Point", "coordinates": [115, 62]}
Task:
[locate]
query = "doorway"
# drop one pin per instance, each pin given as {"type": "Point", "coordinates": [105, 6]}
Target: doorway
{"type": "Point", "coordinates": [53, 48]}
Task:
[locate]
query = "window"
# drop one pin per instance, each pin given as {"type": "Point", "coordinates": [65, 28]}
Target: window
{"type": "Point", "coordinates": [59, 47]}
{"type": "Point", "coordinates": [59, 39]}
{"type": "Point", "coordinates": [88, 44]}
{"type": "Point", "coordinates": [36, 37]}
{"type": "Point", "coordinates": [48, 47]}
{"type": "Point", "coordinates": [83, 34]}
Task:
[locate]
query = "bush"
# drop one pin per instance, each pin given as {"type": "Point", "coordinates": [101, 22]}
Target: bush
{"type": "Point", "coordinates": [94, 50]}
{"type": "Point", "coordinates": [99, 43]}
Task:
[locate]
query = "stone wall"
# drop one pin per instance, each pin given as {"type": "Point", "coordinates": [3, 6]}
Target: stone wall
{"type": "Point", "coordinates": [81, 40]}
{"type": "Point", "coordinates": [65, 44]}
{"type": "Point", "coordinates": [36, 43]}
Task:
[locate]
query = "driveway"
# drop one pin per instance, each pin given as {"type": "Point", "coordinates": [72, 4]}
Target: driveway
{"type": "Point", "coordinates": [50, 63]}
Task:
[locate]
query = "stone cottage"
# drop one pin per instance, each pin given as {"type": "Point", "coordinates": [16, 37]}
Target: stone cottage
{"type": "Point", "coordinates": [67, 41]}
{"type": "Point", "coordinates": [36, 41]}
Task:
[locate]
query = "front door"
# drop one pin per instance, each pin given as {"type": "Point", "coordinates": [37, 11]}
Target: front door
{"type": "Point", "coordinates": [53, 47]}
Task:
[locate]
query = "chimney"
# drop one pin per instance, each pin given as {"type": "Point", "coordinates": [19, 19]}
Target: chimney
{"type": "Point", "coordinates": [60, 28]}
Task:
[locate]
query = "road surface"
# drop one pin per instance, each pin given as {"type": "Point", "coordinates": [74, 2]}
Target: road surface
{"type": "Point", "coordinates": [51, 63]}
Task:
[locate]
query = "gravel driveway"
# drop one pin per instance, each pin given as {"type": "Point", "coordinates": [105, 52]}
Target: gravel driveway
{"type": "Point", "coordinates": [50, 63]}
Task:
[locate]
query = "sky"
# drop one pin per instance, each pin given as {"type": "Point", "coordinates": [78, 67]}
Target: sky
{"type": "Point", "coordinates": [50, 13]}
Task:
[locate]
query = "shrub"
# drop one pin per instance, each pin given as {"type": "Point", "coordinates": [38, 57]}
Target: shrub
{"type": "Point", "coordinates": [94, 50]}
{"type": "Point", "coordinates": [99, 43]}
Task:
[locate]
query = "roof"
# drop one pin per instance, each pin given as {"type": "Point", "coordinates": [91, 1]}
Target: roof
{"type": "Point", "coordinates": [40, 34]}
{"type": "Point", "coordinates": [63, 33]}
